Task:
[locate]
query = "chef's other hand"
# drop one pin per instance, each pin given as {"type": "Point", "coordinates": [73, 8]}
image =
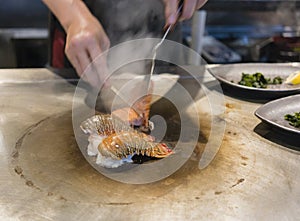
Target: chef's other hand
{"type": "Point", "coordinates": [189, 7]}
{"type": "Point", "coordinates": [86, 38]}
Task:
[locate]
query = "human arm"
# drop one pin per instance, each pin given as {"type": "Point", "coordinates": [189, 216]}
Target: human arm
{"type": "Point", "coordinates": [86, 38]}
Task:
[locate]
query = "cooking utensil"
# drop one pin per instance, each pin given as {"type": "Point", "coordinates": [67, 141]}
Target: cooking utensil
{"type": "Point", "coordinates": [147, 78]}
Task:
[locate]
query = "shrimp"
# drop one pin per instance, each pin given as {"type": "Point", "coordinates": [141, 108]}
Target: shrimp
{"type": "Point", "coordinates": [121, 145]}
{"type": "Point", "coordinates": [104, 125]}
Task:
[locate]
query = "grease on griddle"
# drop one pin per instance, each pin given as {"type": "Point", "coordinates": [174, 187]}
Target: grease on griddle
{"type": "Point", "coordinates": [238, 182]}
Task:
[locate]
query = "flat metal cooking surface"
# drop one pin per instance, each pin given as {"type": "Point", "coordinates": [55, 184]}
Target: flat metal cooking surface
{"type": "Point", "coordinates": [45, 177]}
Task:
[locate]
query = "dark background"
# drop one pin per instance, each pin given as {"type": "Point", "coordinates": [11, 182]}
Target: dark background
{"type": "Point", "coordinates": [244, 26]}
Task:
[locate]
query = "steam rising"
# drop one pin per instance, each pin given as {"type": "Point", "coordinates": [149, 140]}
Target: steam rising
{"type": "Point", "coordinates": [130, 19]}
{"type": "Point", "coordinates": [284, 11]}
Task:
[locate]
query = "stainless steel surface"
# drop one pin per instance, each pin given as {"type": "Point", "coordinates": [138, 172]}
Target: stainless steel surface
{"type": "Point", "coordinates": [45, 177]}
{"type": "Point", "coordinates": [25, 33]}
{"type": "Point", "coordinates": [229, 75]}
{"type": "Point", "coordinates": [274, 112]}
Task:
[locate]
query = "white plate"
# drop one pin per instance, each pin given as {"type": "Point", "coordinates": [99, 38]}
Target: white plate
{"type": "Point", "coordinates": [273, 113]}
{"type": "Point", "coordinates": [229, 75]}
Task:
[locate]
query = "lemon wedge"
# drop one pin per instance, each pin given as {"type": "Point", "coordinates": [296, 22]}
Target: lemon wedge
{"type": "Point", "coordinates": [293, 78]}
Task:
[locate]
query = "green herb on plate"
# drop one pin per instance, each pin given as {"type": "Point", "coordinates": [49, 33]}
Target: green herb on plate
{"type": "Point", "coordinates": [293, 119]}
{"type": "Point", "coordinates": [258, 80]}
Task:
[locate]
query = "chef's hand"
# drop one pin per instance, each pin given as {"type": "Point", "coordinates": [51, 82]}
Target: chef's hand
{"type": "Point", "coordinates": [189, 7]}
{"type": "Point", "coordinates": [86, 38]}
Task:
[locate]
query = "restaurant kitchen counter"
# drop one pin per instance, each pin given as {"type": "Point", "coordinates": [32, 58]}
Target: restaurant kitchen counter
{"type": "Point", "coordinates": [44, 176]}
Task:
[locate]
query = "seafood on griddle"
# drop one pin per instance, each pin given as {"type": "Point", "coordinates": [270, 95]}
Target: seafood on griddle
{"type": "Point", "coordinates": [104, 125]}
{"type": "Point", "coordinates": [115, 142]}
{"type": "Point", "coordinates": [100, 126]}
{"type": "Point", "coordinates": [115, 138]}
{"type": "Point", "coordinates": [118, 148]}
